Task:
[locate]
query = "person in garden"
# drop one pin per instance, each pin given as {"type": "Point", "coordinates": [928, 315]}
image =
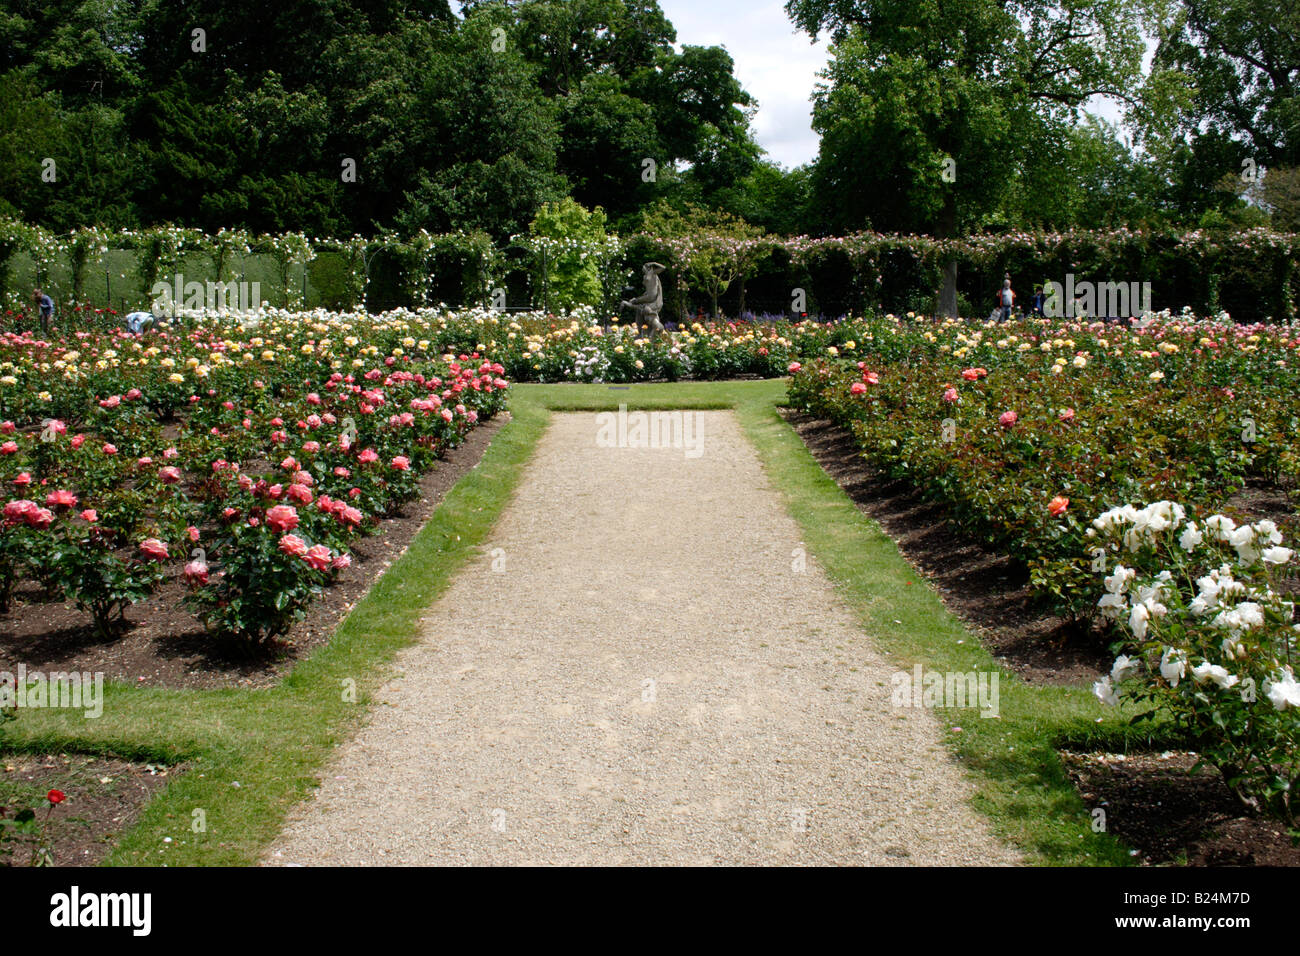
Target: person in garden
{"type": "Point", "coordinates": [137, 322]}
{"type": "Point", "coordinates": [1038, 300]}
{"type": "Point", "coordinates": [46, 306]}
{"type": "Point", "coordinates": [1006, 299]}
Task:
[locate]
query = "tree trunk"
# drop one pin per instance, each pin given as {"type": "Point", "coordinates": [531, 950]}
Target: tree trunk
{"type": "Point", "coordinates": [947, 229]}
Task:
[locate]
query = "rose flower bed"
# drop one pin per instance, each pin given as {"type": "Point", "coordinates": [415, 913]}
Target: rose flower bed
{"type": "Point", "coordinates": [1029, 430]}
{"type": "Point", "coordinates": [1048, 439]}
{"type": "Point", "coordinates": [252, 455]}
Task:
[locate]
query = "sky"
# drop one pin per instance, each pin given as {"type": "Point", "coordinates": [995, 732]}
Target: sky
{"type": "Point", "coordinates": [776, 65]}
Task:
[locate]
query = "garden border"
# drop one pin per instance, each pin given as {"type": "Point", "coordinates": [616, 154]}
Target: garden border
{"type": "Point", "coordinates": [250, 760]}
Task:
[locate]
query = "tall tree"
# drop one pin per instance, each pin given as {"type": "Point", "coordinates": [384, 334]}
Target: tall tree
{"type": "Point", "coordinates": [1226, 65]}
{"type": "Point", "coordinates": [927, 108]}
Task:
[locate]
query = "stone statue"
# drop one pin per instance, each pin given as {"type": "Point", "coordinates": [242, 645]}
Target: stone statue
{"type": "Point", "coordinates": [647, 305]}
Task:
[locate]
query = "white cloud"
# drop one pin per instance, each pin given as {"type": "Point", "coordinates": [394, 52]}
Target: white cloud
{"type": "Point", "coordinates": [776, 65]}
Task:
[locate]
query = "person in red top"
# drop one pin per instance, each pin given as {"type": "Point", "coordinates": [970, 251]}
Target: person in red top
{"type": "Point", "coordinates": [1006, 299]}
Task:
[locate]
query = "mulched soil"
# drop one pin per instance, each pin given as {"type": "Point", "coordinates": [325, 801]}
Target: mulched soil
{"type": "Point", "coordinates": [986, 589]}
{"type": "Point", "coordinates": [161, 644]}
{"type": "Point", "coordinates": [1171, 816]}
{"type": "Point", "coordinates": [104, 797]}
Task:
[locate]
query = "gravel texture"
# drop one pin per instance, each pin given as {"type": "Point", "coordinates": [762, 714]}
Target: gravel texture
{"type": "Point", "coordinates": [646, 680]}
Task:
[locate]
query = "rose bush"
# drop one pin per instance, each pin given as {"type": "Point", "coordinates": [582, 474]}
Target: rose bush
{"type": "Point", "coordinates": [125, 454]}
{"type": "Point", "coordinates": [1021, 427]}
{"type": "Point", "coordinates": [1209, 639]}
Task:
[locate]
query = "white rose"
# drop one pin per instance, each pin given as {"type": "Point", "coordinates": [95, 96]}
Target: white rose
{"type": "Point", "coordinates": [1213, 672]}
{"type": "Point", "coordinates": [1283, 692]}
{"type": "Point", "coordinates": [1124, 668]}
{"type": "Point", "coordinates": [1173, 666]}
{"type": "Point", "coordinates": [1105, 692]}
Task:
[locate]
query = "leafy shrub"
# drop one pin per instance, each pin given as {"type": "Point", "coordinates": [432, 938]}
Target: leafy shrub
{"type": "Point", "coordinates": [1209, 639]}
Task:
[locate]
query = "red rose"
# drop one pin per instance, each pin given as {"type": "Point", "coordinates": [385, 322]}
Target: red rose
{"type": "Point", "coordinates": [55, 796]}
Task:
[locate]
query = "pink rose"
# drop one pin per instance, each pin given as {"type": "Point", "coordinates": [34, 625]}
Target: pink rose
{"type": "Point", "coordinates": [196, 572]}
{"type": "Point", "coordinates": [1007, 419]}
{"type": "Point", "coordinates": [282, 518]}
{"type": "Point", "coordinates": [319, 557]}
{"type": "Point", "coordinates": [153, 548]}
{"type": "Point", "coordinates": [16, 511]}
{"type": "Point", "coordinates": [402, 463]}
{"type": "Point", "coordinates": [169, 474]}
{"type": "Point", "coordinates": [293, 545]}
{"type": "Point", "coordinates": [61, 499]}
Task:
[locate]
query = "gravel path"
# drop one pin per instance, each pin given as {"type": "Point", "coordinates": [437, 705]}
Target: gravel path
{"type": "Point", "coordinates": [645, 681]}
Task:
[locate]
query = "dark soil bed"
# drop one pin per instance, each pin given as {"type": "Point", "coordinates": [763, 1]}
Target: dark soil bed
{"type": "Point", "coordinates": [162, 644]}
{"type": "Point", "coordinates": [986, 589]}
{"type": "Point", "coordinates": [1170, 816]}
{"type": "Point", "coordinates": [104, 797]}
